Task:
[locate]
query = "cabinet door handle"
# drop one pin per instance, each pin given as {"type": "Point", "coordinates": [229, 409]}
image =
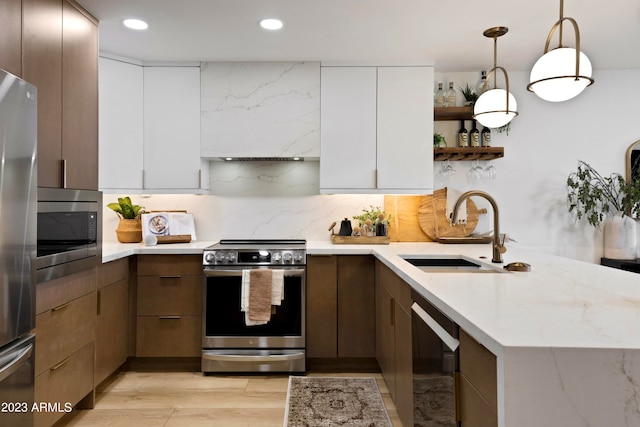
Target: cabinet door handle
{"type": "Point", "coordinates": [59, 365]}
{"type": "Point", "coordinates": [169, 317]}
{"type": "Point", "coordinates": [199, 178]}
{"type": "Point", "coordinates": [392, 310]}
{"type": "Point", "coordinates": [64, 173]}
{"type": "Point", "coordinates": [99, 298]}
{"type": "Point", "coordinates": [61, 306]}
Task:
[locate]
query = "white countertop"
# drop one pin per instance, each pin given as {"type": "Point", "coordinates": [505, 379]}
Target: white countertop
{"type": "Point", "coordinates": [561, 303]}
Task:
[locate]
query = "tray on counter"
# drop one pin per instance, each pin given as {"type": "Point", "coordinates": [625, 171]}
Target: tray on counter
{"type": "Point", "coordinates": [175, 238]}
{"type": "Point", "coordinates": [360, 240]}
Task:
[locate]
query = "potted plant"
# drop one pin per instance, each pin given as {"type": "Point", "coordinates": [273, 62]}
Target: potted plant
{"type": "Point", "coordinates": [470, 95]}
{"type": "Point", "coordinates": [130, 227]}
{"type": "Point", "coordinates": [610, 199]}
{"type": "Point", "coordinates": [373, 221]}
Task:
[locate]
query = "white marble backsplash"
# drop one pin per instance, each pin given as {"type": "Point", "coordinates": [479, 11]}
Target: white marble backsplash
{"type": "Point", "coordinates": [257, 200]}
{"type": "Point", "coordinates": [264, 109]}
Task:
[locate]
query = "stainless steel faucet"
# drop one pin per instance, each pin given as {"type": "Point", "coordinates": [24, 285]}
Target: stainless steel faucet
{"type": "Point", "coordinates": [498, 239]}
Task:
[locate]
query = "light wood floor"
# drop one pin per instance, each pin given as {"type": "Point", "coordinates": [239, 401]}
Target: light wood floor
{"type": "Point", "coordinates": [172, 399]}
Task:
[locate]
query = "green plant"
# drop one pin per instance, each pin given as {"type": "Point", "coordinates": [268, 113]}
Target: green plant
{"type": "Point", "coordinates": [124, 208]}
{"type": "Point", "coordinates": [468, 92]}
{"type": "Point", "coordinates": [373, 214]}
{"type": "Point", "coordinates": [438, 140]}
{"type": "Point", "coordinates": [592, 196]}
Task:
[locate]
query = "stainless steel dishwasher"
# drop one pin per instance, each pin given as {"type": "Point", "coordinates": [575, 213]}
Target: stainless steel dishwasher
{"type": "Point", "coordinates": [435, 365]}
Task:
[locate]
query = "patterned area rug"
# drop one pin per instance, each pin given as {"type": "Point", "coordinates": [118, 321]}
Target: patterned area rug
{"type": "Point", "coordinates": [433, 402]}
{"type": "Point", "coordinates": [331, 402]}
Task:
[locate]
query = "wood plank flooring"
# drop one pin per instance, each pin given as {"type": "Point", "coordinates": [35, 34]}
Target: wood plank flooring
{"type": "Point", "coordinates": [176, 399]}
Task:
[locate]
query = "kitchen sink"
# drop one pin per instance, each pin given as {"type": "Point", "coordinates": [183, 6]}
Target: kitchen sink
{"type": "Point", "coordinates": [449, 264]}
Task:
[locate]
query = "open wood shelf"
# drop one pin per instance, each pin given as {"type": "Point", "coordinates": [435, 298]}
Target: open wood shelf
{"type": "Point", "coordinates": [467, 153]}
{"type": "Point", "coordinates": [452, 113]}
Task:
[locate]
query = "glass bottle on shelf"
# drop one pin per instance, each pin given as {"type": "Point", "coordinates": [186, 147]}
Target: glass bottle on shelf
{"type": "Point", "coordinates": [483, 79]}
{"type": "Point", "coordinates": [474, 136]}
{"type": "Point", "coordinates": [440, 97]}
{"type": "Point", "coordinates": [486, 137]}
{"type": "Point", "coordinates": [451, 96]}
{"type": "Point", "coordinates": [463, 135]}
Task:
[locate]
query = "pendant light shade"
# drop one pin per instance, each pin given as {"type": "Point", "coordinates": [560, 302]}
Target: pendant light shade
{"type": "Point", "coordinates": [496, 107]}
{"type": "Point", "coordinates": [491, 110]}
{"type": "Point", "coordinates": [562, 73]}
{"type": "Point", "coordinates": [553, 77]}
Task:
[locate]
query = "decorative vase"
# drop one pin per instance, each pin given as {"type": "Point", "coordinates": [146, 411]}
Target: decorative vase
{"type": "Point", "coordinates": [129, 230]}
{"type": "Point", "coordinates": [620, 237]}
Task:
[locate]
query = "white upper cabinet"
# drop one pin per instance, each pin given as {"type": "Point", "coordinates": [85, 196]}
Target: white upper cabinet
{"type": "Point", "coordinates": [120, 129]}
{"type": "Point", "coordinates": [260, 109]}
{"type": "Point", "coordinates": [377, 129]}
{"type": "Point", "coordinates": [172, 129]}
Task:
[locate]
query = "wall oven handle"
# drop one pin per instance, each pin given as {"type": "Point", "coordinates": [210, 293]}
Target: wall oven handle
{"type": "Point", "coordinates": [295, 272]}
{"type": "Point", "coordinates": [254, 358]}
{"type": "Point", "coordinates": [449, 341]}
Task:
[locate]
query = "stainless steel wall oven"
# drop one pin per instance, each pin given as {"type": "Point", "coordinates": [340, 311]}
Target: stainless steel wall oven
{"type": "Point", "coordinates": [229, 345]}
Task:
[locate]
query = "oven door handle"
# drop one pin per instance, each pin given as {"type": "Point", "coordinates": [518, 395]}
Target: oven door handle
{"type": "Point", "coordinates": [295, 272]}
{"type": "Point", "coordinates": [446, 338]}
{"type": "Point", "coordinates": [254, 358]}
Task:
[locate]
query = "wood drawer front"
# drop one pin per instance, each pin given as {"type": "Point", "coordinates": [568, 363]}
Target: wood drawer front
{"type": "Point", "coordinates": [168, 295]}
{"type": "Point", "coordinates": [474, 409]}
{"type": "Point", "coordinates": [63, 330]}
{"type": "Point", "coordinates": [64, 289]}
{"type": "Point", "coordinates": [112, 272]}
{"type": "Point", "coordinates": [177, 336]}
{"type": "Point", "coordinates": [68, 381]}
{"type": "Point", "coordinates": [478, 365]}
{"type": "Point", "coordinates": [169, 265]}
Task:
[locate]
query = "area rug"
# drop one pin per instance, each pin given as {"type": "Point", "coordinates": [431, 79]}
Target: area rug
{"type": "Point", "coordinates": [334, 401]}
{"type": "Point", "coordinates": [433, 402]}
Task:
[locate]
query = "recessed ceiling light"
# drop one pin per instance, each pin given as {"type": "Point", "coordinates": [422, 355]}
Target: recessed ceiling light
{"type": "Point", "coordinates": [135, 24]}
{"type": "Point", "coordinates": [271, 24]}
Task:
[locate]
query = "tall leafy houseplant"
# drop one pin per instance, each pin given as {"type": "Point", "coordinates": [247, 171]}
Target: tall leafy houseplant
{"type": "Point", "coordinates": [129, 228]}
{"type": "Point", "coordinates": [611, 199]}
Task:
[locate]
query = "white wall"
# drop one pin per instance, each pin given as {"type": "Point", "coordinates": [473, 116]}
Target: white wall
{"type": "Point", "coordinates": [546, 140]}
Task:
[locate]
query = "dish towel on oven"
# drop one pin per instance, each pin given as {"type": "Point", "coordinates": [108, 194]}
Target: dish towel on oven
{"type": "Point", "coordinates": [260, 290]}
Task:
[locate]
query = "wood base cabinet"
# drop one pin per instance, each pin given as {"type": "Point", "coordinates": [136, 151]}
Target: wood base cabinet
{"type": "Point", "coordinates": [340, 307]}
{"type": "Point", "coordinates": [65, 340]}
{"type": "Point", "coordinates": [112, 320]}
{"type": "Point", "coordinates": [478, 386]}
{"type": "Point", "coordinates": [393, 338]}
{"type": "Point", "coordinates": [169, 306]}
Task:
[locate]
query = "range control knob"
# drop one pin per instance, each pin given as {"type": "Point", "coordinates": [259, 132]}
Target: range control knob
{"type": "Point", "coordinates": [276, 257]}
{"type": "Point", "coordinates": [287, 257]}
{"type": "Point", "coordinates": [220, 257]}
{"type": "Point", "coordinates": [298, 257]}
{"type": "Point", "coordinates": [209, 258]}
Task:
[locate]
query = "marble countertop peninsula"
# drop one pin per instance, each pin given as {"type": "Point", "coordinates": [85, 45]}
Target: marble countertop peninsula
{"type": "Point", "coordinates": [566, 334]}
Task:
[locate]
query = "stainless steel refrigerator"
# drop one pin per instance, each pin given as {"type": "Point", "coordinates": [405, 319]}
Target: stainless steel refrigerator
{"type": "Point", "coordinates": [18, 204]}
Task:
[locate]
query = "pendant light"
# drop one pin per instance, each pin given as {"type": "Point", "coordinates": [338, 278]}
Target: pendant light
{"type": "Point", "coordinates": [564, 72]}
{"type": "Point", "coordinates": [495, 107]}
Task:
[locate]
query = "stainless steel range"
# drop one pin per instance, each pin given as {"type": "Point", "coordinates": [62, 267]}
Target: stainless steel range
{"type": "Point", "coordinates": [232, 342]}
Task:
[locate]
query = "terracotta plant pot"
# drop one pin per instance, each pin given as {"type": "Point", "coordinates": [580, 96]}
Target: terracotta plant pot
{"type": "Point", "coordinates": [129, 230]}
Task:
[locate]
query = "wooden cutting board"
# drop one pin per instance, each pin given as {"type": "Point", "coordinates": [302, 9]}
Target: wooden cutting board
{"type": "Point", "coordinates": [433, 220]}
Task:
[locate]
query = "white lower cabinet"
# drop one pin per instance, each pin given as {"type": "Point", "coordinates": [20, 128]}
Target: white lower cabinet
{"type": "Point", "coordinates": [376, 129]}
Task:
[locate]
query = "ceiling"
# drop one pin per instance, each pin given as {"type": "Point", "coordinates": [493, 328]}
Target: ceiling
{"type": "Point", "coordinates": [445, 32]}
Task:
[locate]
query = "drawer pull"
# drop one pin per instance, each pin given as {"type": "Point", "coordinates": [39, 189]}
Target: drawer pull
{"type": "Point", "coordinates": [60, 365]}
{"type": "Point", "coordinates": [62, 306]}
{"type": "Point", "coordinates": [171, 277]}
{"type": "Point", "coordinates": [169, 317]}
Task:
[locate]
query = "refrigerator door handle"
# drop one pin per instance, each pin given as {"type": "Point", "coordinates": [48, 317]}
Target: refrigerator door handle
{"type": "Point", "coordinates": [14, 365]}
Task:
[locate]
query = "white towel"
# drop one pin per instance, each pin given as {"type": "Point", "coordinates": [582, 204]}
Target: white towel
{"type": "Point", "coordinates": [277, 287]}
{"type": "Point", "coordinates": [244, 299]}
{"type": "Point", "coordinates": [452, 196]}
